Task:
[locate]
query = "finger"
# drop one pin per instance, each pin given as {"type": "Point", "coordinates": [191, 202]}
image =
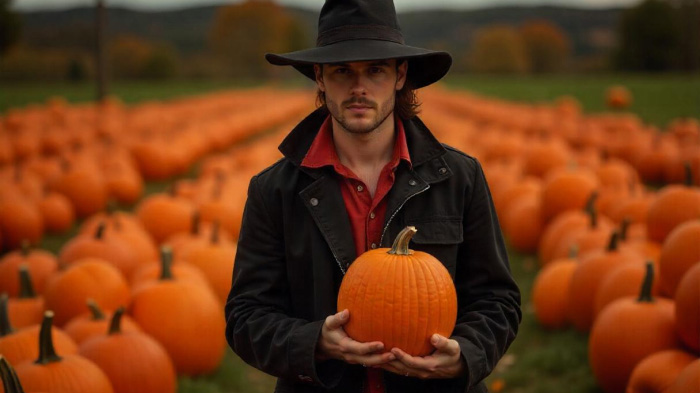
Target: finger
{"type": "Point", "coordinates": [445, 345]}
{"type": "Point", "coordinates": [373, 360]}
{"type": "Point", "coordinates": [353, 347]}
{"type": "Point", "coordinates": [337, 320]}
{"type": "Point", "coordinates": [415, 362]}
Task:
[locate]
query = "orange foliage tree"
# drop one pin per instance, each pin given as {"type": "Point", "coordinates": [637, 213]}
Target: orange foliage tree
{"type": "Point", "coordinates": [547, 46]}
{"type": "Point", "coordinates": [242, 33]}
{"type": "Point", "coordinates": [499, 49]}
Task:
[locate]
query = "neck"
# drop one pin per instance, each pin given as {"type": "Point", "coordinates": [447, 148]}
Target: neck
{"type": "Point", "coordinates": [368, 150]}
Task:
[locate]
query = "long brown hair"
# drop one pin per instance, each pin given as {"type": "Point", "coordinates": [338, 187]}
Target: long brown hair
{"type": "Point", "coordinates": [406, 105]}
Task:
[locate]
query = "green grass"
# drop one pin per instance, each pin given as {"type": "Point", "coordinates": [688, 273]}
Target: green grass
{"type": "Point", "coordinates": [20, 94]}
{"type": "Point", "coordinates": [657, 99]}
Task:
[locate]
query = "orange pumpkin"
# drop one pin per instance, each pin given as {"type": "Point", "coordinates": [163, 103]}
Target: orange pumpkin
{"type": "Point", "coordinates": [679, 252]}
{"type": "Point", "coordinates": [23, 345]}
{"type": "Point", "coordinates": [398, 296]}
{"type": "Point", "coordinates": [28, 308]}
{"type": "Point", "coordinates": [94, 323]}
{"type": "Point", "coordinates": [42, 265]}
{"type": "Point", "coordinates": [54, 374]}
{"type": "Point", "coordinates": [587, 278]}
{"type": "Point", "coordinates": [688, 380]}
{"type": "Point", "coordinates": [88, 278]}
{"type": "Point", "coordinates": [627, 331]}
{"type": "Point", "coordinates": [169, 310]}
{"type": "Point", "coordinates": [164, 215]}
{"type": "Point", "coordinates": [165, 269]}
{"type": "Point", "coordinates": [656, 372]}
{"type": "Point", "coordinates": [105, 246]}
{"type": "Point", "coordinates": [688, 308]}
{"type": "Point", "coordinates": [673, 205]}
{"type": "Point", "coordinates": [215, 260]}
{"type": "Point", "coordinates": [550, 290]}
{"type": "Point", "coordinates": [133, 361]}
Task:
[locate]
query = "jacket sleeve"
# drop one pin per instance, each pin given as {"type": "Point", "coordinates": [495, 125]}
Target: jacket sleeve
{"type": "Point", "coordinates": [488, 297]}
{"type": "Point", "coordinates": [258, 326]}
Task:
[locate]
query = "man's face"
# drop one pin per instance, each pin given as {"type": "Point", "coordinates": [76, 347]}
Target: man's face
{"type": "Point", "coordinates": [361, 95]}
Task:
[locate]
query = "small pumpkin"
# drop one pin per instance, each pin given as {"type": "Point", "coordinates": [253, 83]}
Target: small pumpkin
{"type": "Point", "coordinates": [399, 297]}
{"type": "Point", "coordinates": [656, 372]}
{"type": "Point", "coordinates": [627, 331]}
{"type": "Point", "coordinates": [55, 374]}
{"type": "Point", "coordinates": [95, 322]}
{"type": "Point", "coordinates": [26, 309]}
{"type": "Point", "coordinates": [133, 361]}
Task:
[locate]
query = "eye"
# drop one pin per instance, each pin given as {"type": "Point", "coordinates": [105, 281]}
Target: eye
{"type": "Point", "coordinates": [376, 70]}
{"type": "Point", "coordinates": [341, 71]}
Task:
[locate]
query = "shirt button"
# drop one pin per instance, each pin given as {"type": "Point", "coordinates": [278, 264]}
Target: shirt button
{"type": "Point", "coordinates": [360, 188]}
{"type": "Point", "coordinates": [372, 215]}
{"type": "Point", "coordinates": [373, 246]}
{"type": "Point", "coordinates": [412, 182]}
{"type": "Point", "coordinates": [313, 202]}
{"type": "Point", "coordinates": [442, 170]}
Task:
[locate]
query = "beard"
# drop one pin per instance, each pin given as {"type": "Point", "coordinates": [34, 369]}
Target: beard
{"type": "Point", "coordinates": [356, 125]}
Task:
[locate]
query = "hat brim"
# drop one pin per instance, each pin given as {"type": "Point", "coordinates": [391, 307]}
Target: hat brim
{"type": "Point", "coordinates": [424, 66]}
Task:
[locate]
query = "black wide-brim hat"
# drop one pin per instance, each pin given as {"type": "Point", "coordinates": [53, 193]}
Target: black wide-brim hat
{"type": "Point", "coordinates": [364, 30]}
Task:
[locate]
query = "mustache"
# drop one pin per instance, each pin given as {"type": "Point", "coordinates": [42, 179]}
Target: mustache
{"type": "Point", "coordinates": [360, 101]}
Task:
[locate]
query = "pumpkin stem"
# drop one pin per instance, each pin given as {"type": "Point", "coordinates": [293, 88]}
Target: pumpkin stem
{"type": "Point", "coordinates": [100, 231]}
{"type": "Point", "coordinates": [400, 246]}
{"type": "Point", "coordinates": [614, 241]}
{"type": "Point", "coordinates": [47, 351]}
{"type": "Point", "coordinates": [624, 228]}
{"type": "Point", "coordinates": [5, 325]}
{"type": "Point", "coordinates": [645, 292]}
{"type": "Point", "coordinates": [573, 251]}
{"type": "Point", "coordinates": [215, 232]}
{"type": "Point", "coordinates": [26, 289]}
{"type": "Point", "coordinates": [196, 220]}
{"type": "Point", "coordinates": [116, 323]}
{"type": "Point", "coordinates": [688, 173]}
{"type": "Point", "coordinates": [166, 261]}
{"type": "Point", "coordinates": [95, 310]}
{"type": "Point", "coordinates": [10, 381]}
{"type": "Point", "coordinates": [25, 248]}
{"type": "Point", "coordinates": [590, 208]}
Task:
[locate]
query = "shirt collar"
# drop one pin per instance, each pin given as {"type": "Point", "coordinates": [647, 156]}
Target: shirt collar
{"type": "Point", "coordinates": [322, 151]}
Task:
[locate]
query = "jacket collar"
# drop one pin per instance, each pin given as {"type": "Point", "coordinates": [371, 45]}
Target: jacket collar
{"type": "Point", "coordinates": [422, 145]}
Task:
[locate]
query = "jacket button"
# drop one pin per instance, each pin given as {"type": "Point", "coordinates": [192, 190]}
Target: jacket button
{"type": "Point", "coordinates": [442, 170]}
{"type": "Point", "coordinates": [412, 182]}
{"type": "Point", "coordinates": [313, 202]}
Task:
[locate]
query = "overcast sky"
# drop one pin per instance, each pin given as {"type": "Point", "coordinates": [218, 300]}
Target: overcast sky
{"type": "Point", "coordinates": [401, 5]}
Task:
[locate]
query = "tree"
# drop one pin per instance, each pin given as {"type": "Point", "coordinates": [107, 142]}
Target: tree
{"type": "Point", "coordinates": [547, 46]}
{"type": "Point", "coordinates": [242, 33]}
{"type": "Point", "coordinates": [648, 37]}
{"type": "Point", "coordinates": [10, 27]}
{"type": "Point", "coordinates": [498, 49]}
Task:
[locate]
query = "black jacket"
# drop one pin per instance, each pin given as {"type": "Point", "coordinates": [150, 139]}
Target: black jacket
{"type": "Point", "coordinates": [295, 245]}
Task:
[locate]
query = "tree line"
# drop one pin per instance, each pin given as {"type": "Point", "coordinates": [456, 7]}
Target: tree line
{"type": "Point", "coordinates": [654, 35]}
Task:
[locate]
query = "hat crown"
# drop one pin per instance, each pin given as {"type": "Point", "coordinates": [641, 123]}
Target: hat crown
{"type": "Point", "coordinates": [342, 20]}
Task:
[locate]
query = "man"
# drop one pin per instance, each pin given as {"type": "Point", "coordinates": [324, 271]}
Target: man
{"type": "Point", "coordinates": [355, 172]}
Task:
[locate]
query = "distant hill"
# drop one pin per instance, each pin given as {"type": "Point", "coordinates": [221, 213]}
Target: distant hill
{"type": "Point", "coordinates": [591, 31]}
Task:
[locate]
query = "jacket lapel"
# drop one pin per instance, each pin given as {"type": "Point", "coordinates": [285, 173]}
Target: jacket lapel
{"type": "Point", "coordinates": [324, 201]}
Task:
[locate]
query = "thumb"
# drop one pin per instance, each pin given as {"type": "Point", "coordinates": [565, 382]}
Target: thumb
{"type": "Point", "coordinates": [443, 344]}
{"type": "Point", "coordinates": [335, 321]}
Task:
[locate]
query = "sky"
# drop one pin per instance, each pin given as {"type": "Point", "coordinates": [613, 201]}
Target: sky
{"type": "Point", "coordinates": [401, 5]}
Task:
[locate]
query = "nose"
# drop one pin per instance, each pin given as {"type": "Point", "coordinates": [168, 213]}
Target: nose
{"type": "Point", "coordinates": [358, 86]}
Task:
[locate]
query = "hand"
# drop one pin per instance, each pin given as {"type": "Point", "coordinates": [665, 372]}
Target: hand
{"type": "Point", "coordinates": [334, 343]}
{"type": "Point", "coordinates": [445, 362]}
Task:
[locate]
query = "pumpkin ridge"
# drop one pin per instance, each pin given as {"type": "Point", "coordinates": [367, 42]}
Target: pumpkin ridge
{"type": "Point", "coordinates": [414, 301]}
{"type": "Point", "coordinates": [434, 301]}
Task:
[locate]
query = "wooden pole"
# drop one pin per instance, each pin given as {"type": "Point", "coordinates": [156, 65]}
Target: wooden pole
{"type": "Point", "coordinates": [100, 27]}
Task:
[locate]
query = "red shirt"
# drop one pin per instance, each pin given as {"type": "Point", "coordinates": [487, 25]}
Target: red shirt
{"type": "Point", "coordinates": [366, 212]}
